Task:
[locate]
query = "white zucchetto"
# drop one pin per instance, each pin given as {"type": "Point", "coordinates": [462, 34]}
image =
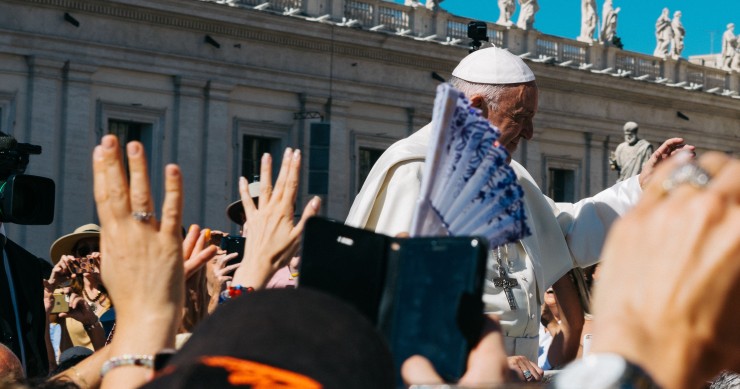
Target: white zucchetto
{"type": "Point", "coordinates": [493, 65]}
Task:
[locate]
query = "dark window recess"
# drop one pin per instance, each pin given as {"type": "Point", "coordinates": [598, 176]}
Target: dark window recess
{"type": "Point", "coordinates": [128, 131]}
{"type": "Point", "coordinates": [253, 147]}
{"type": "Point", "coordinates": [562, 185]}
{"type": "Point", "coordinates": [367, 158]}
{"type": "Point", "coordinates": [318, 164]}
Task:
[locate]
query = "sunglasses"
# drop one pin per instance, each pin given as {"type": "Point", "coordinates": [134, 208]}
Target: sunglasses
{"type": "Point", "coordinates": [85, 250]}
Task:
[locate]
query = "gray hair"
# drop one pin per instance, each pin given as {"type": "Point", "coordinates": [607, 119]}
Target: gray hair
{"type": "Point", "coordinates": [491, 92]}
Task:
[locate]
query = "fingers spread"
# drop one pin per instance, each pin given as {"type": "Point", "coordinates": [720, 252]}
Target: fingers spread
{"type": "Point", "coordinates": [191, 238]}
{"type": "Point", "coordinates": [279, 190]}
{"type": "Point", "coordinates": [291, 181]}
{"type": "Point", "coordinates": [193, 264]}
{"type": "Point", "coordinates": [311, 209]}
{"type": "Point", "coordinates": [265, 180]}
{"type": "Point", "coordinates": [172, 206]}
{"type": "Point", "coordinates": [110, 185]}
{"type": "Point", "coordinates": [141, 198]}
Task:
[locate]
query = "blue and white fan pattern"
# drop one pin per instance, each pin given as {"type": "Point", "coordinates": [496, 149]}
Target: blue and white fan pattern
{"type": "Point", "coordinates": [468, 189]}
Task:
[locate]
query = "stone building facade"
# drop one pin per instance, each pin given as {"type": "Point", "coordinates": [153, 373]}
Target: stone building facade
{"type": "Point", "coordinates": [213, 85]}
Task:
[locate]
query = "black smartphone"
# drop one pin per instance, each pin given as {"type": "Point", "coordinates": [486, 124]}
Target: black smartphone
{"type": "Point", "coordinates": [345, 262]}
{"type": "Point", "coordinates": [233, 244]}
{"type": "Point", "coordinates": [437, 307]}
{"type": "Point", "coordinates": [423, 294]}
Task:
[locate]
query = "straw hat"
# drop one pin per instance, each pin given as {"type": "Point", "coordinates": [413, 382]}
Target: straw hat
{"type": "Point", "coordinates": [235, 211]}
{"type": "Point", "coordinates": [64, 245]}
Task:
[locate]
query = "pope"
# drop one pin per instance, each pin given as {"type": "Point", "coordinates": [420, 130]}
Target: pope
{"type": "Point", "coordinates": [563, 236]}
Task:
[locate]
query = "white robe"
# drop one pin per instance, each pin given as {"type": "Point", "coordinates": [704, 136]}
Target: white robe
{"type": "Point", "coordinates": [563, 236]}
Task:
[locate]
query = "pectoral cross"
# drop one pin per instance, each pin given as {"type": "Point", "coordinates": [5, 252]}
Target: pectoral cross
{"type": "Point", "coordinates": [502, 281]}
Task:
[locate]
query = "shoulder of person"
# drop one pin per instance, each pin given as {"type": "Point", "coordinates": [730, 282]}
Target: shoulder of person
{"type": "Point", "coordinates": [29, 259]}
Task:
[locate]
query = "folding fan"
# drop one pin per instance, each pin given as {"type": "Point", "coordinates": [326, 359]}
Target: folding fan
{"type": "Point", "coordinates": [467, 189]}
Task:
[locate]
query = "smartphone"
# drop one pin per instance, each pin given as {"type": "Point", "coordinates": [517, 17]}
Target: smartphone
{"type": "Point", "coordinates": [348, 263]}
{"type": "Point", "coordinates": [233, 244]}
{"type": "Point", "coordinates": [60, 303]}
{"type": "Point", "coordinates": [423, 294]}
{"type": "Point", "coordinates": [435, 300]}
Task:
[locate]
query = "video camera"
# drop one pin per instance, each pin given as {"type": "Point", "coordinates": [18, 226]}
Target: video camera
{"type": "Point", "coordinates": [477, 31]}
{"type": "Point", "coordinates": [24, 199]}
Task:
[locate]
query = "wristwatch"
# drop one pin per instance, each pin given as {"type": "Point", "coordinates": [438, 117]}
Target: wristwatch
{"type": "Point", "coordinates": [603, 371]}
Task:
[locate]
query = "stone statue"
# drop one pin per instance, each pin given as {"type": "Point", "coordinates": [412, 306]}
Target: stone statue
{"type": "Point", "coordinates": [630, 155]}
{"type": "Point", "coordinates": [527, 9]}
{"type": "Point", "coordinates": [663, 34]}
{"type": "Point", "coordinates": [589, 18]}
{"type": "Point", "coordinates": [678, 34]}
{"type": "Point", "coordinates": [728, 48]}
{"type": "Point", "coordinates": [506, 12]}
{"type": "Point", "coordinates": [736, 59]}
{"type": "Point", "coordinates": [433, 4]}
{"type": "Point", "coordinates": [608, 22]}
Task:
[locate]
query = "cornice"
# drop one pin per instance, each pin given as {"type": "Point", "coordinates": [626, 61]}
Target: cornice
{"type": "Point", "coordinates": [638, 92]}
{"type": "Point", "coordinates": [330, 38]}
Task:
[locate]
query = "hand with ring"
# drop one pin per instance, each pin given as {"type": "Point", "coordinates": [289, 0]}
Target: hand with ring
{"type": "Point", "coordinates": [524, 369]}
{"type": "Point", "coordinates": [142, 261]}
{"type": "Point", "coordinates": [670, 276]}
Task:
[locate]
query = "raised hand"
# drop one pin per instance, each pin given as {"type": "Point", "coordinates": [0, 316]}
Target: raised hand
{"type": "Point", "coordinates": [142, 259]}
{"type": "Point", "coordinates": [273, 237]}
{"type": "Point", "coordinates": [669, 148]}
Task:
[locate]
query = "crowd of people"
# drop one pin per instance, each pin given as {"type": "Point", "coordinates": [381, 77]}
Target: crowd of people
{"type": "Point", "coordinates": [140, 302]}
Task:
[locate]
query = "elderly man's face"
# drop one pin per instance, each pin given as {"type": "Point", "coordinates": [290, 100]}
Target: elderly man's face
{"type": "Point", "coordinates": [513, 116]}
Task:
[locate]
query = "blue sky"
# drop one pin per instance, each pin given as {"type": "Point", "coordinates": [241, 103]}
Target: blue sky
{"type": "Point", "coordinates": [636, 23]}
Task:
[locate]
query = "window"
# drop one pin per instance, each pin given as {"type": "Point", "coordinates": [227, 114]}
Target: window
{"type": "Point", "coordinates": [253, 147]}
{"type": "Point", "coordinates": [561, 186]}
{"type": "Point", "coordinates": [318, 162]}
{"type": "Point", "coordinates": [136, 122]}
{"type": "Point", "coordinates": [128, 131]}
{"type": "Point", "coordinates": [367, 158]}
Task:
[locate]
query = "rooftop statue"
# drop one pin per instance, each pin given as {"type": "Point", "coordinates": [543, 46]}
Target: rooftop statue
{"type": "Point", "coordinates": [678, 34]}
{"type": "Point", "coordinates": [506, 12]}
{"type": "Point", "coordinates": [663, 34]}
{"type": "Point", "coordinates": [609, 22]}
{"type": "Point", "coordinates": [527, 9]}
{"type": "Point", "coordinates": [589, 19]}
{"type": "Point", "coordinates": [729, 45]}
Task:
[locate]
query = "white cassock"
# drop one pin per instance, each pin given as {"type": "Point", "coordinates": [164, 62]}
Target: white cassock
{"type": "Point", "coordinates": [564, 235]}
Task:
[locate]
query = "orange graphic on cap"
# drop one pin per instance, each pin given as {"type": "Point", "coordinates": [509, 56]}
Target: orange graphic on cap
{"type": "Point", "coordinates": [260, 376]}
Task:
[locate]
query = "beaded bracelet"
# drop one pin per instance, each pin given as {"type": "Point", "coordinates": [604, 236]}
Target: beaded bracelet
{"type": "Point", "coordinates": [233, 291]}
{"type": "Point", "coordinates": [127, 360]}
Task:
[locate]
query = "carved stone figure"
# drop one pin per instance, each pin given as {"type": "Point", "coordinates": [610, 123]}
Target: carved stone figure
{"type": "Point", "coordinates": [608, 22]}
{"type": "Point", "coordinates": [433, 4]}
{"type": "Point", "coordinates": [678, 34]}
{"type": "Point", "coordinates": [630, 155]}
{"type": "Point", "coordinates": [663, 34]}
{"type": "Point", "coordinates": [527, 9]}
{"type": "Point", "coordinates": [589, 18]}
{"type": "Point", "coordinates": [728, 47]}
{"type": "Point", "coordinates": [506, 12]}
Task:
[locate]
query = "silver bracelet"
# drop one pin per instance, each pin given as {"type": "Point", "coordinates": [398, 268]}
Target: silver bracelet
{"type": "Point", "coordinates": [127, 360]}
